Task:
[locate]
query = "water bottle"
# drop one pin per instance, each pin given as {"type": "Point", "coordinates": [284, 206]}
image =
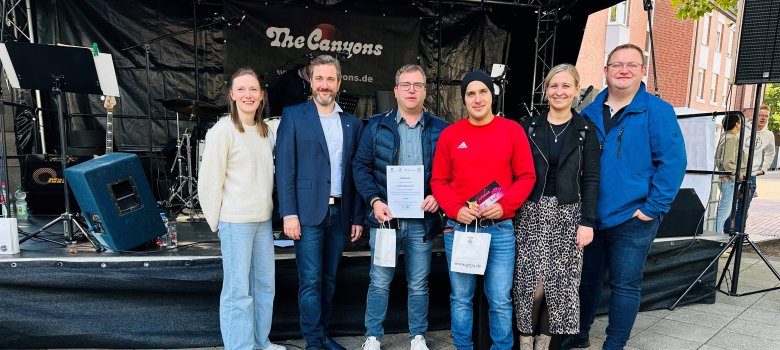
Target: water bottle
{"type": "Point", "coordinates": [173, 238]}
{"type": "Point", "coordinates": [21, 204]}
{"type": "Point", "coordinates": [162, 241]}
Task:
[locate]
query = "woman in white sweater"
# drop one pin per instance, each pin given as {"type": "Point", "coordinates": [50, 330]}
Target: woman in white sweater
{"type": "Point", "coordinates": [234, 186]}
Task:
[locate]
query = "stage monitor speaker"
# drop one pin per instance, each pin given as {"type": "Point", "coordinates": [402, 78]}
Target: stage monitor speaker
{"type": "Point", "coordinates": [116, 200]}
{"type": "Point", "coordinates": [43, 183]}
{"type": "Point", "coordinates": [758, 58]}
{"type": "Point", "coordinates": [685, 217]}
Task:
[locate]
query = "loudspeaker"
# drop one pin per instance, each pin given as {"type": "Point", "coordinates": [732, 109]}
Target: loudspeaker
{"type": "Point", "coordinates": [684, 217]}
{"type": "Point", "coordinates": [43, 183]}
{"type": "Point", "coordinates": [758, 58]}
{"type": "Point", "coordinates": [116, 200]}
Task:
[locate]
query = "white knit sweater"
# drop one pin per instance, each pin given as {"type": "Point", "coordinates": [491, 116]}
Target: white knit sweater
{"type": "Point", "coordinates": [236, 175]}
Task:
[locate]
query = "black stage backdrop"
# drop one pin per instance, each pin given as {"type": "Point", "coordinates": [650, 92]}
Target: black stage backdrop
{"type": "Point", "coordinates": [371, 47]}
{"type": "Point", "coordinates": [447, 38]}
{"type": "Point", "coordinates": [466, 37]}
{"type": "Point", "coordinates": [114, 25]}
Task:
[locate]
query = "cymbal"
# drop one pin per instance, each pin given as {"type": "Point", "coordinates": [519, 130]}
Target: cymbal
{"type": "Point", "coordinates": [196, 108]}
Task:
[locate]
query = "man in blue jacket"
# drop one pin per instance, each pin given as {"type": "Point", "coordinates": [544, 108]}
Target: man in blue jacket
{"type": "Point", "coordinates": [404, 136]}
{"type": "Point", "coordinates": [315, 146]}
{"type": "Point", "coordinates": [642, 166]}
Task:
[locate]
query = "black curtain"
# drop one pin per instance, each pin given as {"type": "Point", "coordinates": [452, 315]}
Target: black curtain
{"type": "Point", "coordinates": [455, 37]}
{"type": "Point", "coordinates": [114, 25]}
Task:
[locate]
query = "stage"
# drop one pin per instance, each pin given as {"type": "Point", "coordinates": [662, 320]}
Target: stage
{"type": "Point", "coordinates": [75, 297]}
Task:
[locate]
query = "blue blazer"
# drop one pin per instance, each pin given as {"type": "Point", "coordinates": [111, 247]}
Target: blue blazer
{"type": "Point", "coordinates": [303, 167]}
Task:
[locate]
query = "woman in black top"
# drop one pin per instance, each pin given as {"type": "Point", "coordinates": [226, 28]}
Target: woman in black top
{"type": "Point", "coordinates": [557, 220]}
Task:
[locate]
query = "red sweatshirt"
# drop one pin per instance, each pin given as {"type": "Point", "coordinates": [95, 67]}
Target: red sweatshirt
{"type": "Point", "coordinates": [468, 158]}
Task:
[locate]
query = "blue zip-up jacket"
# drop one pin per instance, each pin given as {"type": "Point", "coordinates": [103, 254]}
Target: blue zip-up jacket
{"type": "Point", "coordinates": [642, 159]}
{"type": "Point", "coordinates": [379, 147]}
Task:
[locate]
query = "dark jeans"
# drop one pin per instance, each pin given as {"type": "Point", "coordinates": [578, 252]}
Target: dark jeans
{"type": "Point", "coordinates": [622, 250]}
{"type": "Point", "coordinates": [318, 254]}
{"type": "Point", "coordinates": [738, 213]}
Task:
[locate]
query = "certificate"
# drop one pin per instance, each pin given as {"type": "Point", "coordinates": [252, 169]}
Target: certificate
{"type": "Point", "coordinates": [405, 190]}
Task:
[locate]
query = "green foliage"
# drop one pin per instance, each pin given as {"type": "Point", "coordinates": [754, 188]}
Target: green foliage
{"type": "Point", "coordinates": [693, 9]}
{"type": "Point", "coordinates": [772, 99]}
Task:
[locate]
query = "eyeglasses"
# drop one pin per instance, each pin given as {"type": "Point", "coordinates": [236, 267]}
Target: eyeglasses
{"type": "Point", "coordinates": [620, 65]}
{"type": "Point", "coordinates": [406, 86]}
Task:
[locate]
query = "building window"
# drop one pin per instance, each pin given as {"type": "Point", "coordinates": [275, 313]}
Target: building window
{"type": "Point", "coordinates": [731, 41]}
{"type": "Point", "coordinates": [719, 37]}
{"type": "Point", "coordinates": [725, 92]}
{"type": "Point", "coordinates": [705, 32]}
{"type": "Point", "coordinates": [700, 86]}
{"type": "Point", "coordinates": [618, 14]}
{"type": "Point", "coordinates": [714, 89]}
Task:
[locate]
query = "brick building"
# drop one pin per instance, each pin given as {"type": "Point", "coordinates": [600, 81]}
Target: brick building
{"type": "Point", "coordinates": [694, 58]}
{"type": "Point", "coordinates": [694, 61]}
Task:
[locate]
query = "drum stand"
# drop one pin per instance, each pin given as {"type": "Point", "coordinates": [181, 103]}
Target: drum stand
{"type": "Point", "coordinates": [184, 189]}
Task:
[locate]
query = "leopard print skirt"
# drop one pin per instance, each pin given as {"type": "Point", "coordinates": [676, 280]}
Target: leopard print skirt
{"type": "Point", "coordinates": [546, 252]}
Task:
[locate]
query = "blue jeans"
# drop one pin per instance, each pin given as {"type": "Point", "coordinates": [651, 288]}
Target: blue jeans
{"type": "Point", "coordinates": [417, 256]}
{"type": "Point", "coordinates": [738, 213]}
{"type": "Point", "coordinates": [622, 250]}
{"type": "Point", "coordinates": [318, 254]}
{"type": "Point", "coordinates": [724, 204]}
{"type": "Point", "coordinates": [247, 299]}
{"type": "Point", "coordinates": [498, 284]}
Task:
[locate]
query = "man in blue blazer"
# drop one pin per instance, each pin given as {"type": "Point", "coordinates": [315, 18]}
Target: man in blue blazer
{"type": "Point", "coordinates": [315, 145]}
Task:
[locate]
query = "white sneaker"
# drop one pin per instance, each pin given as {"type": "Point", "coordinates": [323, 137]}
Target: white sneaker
{"type": "Point", "coordinates": [274, 347]}
{"type": "Point", "coordinates": [418, 343]}
{"type": "Point", "coordinates": [371, 344]}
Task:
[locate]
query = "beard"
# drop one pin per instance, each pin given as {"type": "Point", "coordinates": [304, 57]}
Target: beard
{"type": "Point", "coordinates": [324, 101]}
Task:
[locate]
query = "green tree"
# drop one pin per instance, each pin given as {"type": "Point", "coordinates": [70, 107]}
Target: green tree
{"type": "Point", "coordinates": [693, 9]}
{"type": "Point", "coordinates": [772, 99]}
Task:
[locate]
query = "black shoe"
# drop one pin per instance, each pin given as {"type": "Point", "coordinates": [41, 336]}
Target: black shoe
{"type": "Point", "coordinates": [573, 342]}
{"type": "Point", "coordinates": [331, 344]}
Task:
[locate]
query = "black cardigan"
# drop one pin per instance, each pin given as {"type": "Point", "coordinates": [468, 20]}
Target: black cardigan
{"type": "Point", "coordinates": [578, 165]}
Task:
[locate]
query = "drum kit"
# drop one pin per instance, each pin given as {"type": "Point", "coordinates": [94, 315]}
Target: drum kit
{"type": "Point", "coordinates": [183, 193]}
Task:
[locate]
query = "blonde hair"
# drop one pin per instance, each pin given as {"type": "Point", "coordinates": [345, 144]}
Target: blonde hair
{"type": "Point", "coordinates": [258, 118]}
{"type": "Point", "coordinates": [563, 67]}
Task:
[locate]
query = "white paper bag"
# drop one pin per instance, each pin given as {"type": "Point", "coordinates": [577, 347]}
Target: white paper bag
{"type": "Point", "coordinates": [470, 252]}
{"type": "Point", "coordinates": [384, 247]}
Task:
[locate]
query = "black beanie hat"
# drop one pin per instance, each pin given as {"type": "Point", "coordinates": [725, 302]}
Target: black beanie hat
{"type": "Point", "coordinates": [476, 75]}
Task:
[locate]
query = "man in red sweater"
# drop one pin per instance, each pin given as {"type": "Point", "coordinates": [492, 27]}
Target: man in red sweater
{"type": "Point", "coordinates": [470, 155]}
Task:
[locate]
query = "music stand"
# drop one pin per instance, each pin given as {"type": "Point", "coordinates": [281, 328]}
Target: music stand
{"type": "Point", "coordinates": [60, 69]}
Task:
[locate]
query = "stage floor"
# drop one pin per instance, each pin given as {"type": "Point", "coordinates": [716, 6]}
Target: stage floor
{"type": "Point", "coordinates": [196, 241]}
